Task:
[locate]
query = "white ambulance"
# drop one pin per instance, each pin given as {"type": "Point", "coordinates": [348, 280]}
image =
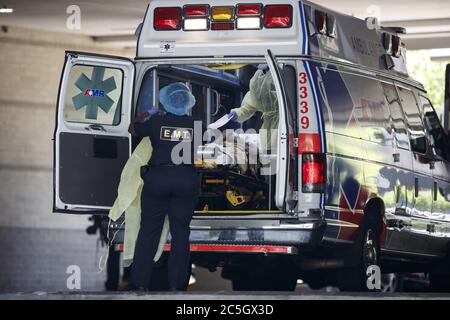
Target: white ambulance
{"type": "Point", "coordinates": [362, 173]}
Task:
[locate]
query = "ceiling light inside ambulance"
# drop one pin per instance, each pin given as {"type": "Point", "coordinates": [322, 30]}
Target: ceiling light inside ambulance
{"type": "Point", "coordinates": [248, 9]}
{"type": "Point", "coordinates": [278, 16]}
{"type": "Point", "coordinates": [195, 24]}
{"type": "Point", "coordinates": [196, 10]}
{"type": "Point", "coordinates": [167, 18]}
{"type": "Point", "coordinates": [248, 23]}
{"type": "Point", "coordinates": [222, 13]}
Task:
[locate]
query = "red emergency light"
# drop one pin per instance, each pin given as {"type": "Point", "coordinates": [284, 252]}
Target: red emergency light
{"type": "Point", "coordinates": [278, 16]}
{"type": "Point", "coordinates": [249, 9]}
{"type": "Point", "coordinates": [218, 26]}
{"type": "Point", "coordinates": [167, 18]}
{"type": "Point", "coordinates": [196, 10]}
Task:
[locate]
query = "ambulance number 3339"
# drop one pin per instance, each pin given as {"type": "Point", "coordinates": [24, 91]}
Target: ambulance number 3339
{"type": "Point", "coordinates": [303, 95]}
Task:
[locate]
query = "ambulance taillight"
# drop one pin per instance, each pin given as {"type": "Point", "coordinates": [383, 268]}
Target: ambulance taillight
{"type": "Point", "coordinates": [313, 173]}
{"type": "Point", "coordinates": [167, 18]}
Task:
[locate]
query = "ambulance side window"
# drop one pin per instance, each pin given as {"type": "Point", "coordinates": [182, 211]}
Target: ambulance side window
{"type": "Point", "coordinates": [397, 118]}
{"type": "Point", "coordinates": [414, 121]}
{"type": "Point", "coordinates": [94, 95]}
{"type": "Point", "coordinates": [201, 94]}
{"type": "Point", "coordinates": [162, 82]}
{"type": "Point", "coordinates": [434, 128]}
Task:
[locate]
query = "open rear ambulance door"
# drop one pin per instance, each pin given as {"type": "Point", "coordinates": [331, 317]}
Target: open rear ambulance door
{"type": "Point", "coordinates": [283, 156]}
{"type": "Point", "coordinates": [91, 140]}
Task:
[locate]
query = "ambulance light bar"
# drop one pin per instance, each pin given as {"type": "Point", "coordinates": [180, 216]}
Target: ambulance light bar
{"type": "Point", "coordinates": [249, 16]}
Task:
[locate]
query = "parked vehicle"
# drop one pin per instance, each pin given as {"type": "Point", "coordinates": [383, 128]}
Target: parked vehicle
{"type": "Point", "coordinates": [362, 162]}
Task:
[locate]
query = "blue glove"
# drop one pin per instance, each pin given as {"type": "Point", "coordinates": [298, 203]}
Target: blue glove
{"type": "Point", "coordinates": [233, 116]}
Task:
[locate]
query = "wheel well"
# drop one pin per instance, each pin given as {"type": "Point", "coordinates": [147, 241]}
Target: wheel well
{"type": "Point", "coordinates": [375, 210]}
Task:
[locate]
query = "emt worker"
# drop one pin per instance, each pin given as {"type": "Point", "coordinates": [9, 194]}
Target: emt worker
{"type": "Point", "coordinates": [261, 97]}
{"type": "Point", "coordinates": [170, 188]}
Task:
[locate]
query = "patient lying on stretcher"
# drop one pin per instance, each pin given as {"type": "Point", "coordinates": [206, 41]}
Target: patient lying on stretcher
{"type": "Point", "coordinates": [230, 173]}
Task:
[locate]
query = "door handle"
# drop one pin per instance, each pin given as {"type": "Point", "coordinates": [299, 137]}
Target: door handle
{"type": "Point", "coordinates": [96, 127]}
{"type": "Point", "coordinates": [396, 157]}
{"type": "Point", "coordinates": [432, 165]}
{"type": "Point", "coordinates": [416, 187]}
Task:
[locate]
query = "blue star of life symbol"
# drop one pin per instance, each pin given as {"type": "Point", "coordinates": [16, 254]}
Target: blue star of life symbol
{"type": "Point", "coordinates": [167, 47]}
{"type": "Point", "coordinates": [94, 93]}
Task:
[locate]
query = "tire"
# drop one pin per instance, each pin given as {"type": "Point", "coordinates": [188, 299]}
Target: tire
{"type": "Point", "coordinates": [281, 277]}
{"type": "Point", "coordinates": [365, 253]}
{"type": "Point", "coordinates": [440, 277]}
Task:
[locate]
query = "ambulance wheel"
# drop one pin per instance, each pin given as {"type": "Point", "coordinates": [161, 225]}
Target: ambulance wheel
{"type": "Point", "coordinates": [365, 253]}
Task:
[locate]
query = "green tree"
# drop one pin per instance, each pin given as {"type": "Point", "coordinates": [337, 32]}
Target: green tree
{"type": "Point", "coordinates": [430, 73]}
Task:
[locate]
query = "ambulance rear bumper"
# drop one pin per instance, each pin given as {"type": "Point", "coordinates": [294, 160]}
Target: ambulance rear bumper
{"type": "Point", "coordinates": [302, 234]}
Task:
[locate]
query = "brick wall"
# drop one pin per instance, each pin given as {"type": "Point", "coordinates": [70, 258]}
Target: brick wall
{"type": "Point", "coordinates": [30, 68]}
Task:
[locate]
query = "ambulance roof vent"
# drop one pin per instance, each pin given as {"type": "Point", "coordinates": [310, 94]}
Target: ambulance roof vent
{"type": "Point", "coordinates": [398, 30]}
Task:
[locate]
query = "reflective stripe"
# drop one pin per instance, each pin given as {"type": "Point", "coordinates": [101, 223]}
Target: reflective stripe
{"type": "Point", "coordinates": [231, 248]}
{"type": "Point", "coordinates": [239, 248]}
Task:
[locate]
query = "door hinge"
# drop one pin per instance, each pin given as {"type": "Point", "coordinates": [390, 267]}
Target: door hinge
{"type": "Point", "coordinates": [295, 142]}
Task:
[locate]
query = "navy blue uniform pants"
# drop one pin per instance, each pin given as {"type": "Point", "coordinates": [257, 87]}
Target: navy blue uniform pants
{"type": "Point", "coordinates": [171, 191]}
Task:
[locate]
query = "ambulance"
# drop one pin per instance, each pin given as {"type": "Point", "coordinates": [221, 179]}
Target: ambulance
{"type": "Point", "coordinates": [362, 174]}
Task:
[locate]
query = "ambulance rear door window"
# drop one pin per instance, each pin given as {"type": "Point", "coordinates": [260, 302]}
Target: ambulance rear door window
{"type": "Point", "coordinates": [145, 100]}
{"type": "Point", "coordinates": [94, 95]}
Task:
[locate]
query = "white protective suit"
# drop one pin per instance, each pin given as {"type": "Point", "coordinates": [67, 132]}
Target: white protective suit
{"type": "Point", "coordinates": [261, 97]}
{"type": "Point", "coordinates": [129, 201]}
